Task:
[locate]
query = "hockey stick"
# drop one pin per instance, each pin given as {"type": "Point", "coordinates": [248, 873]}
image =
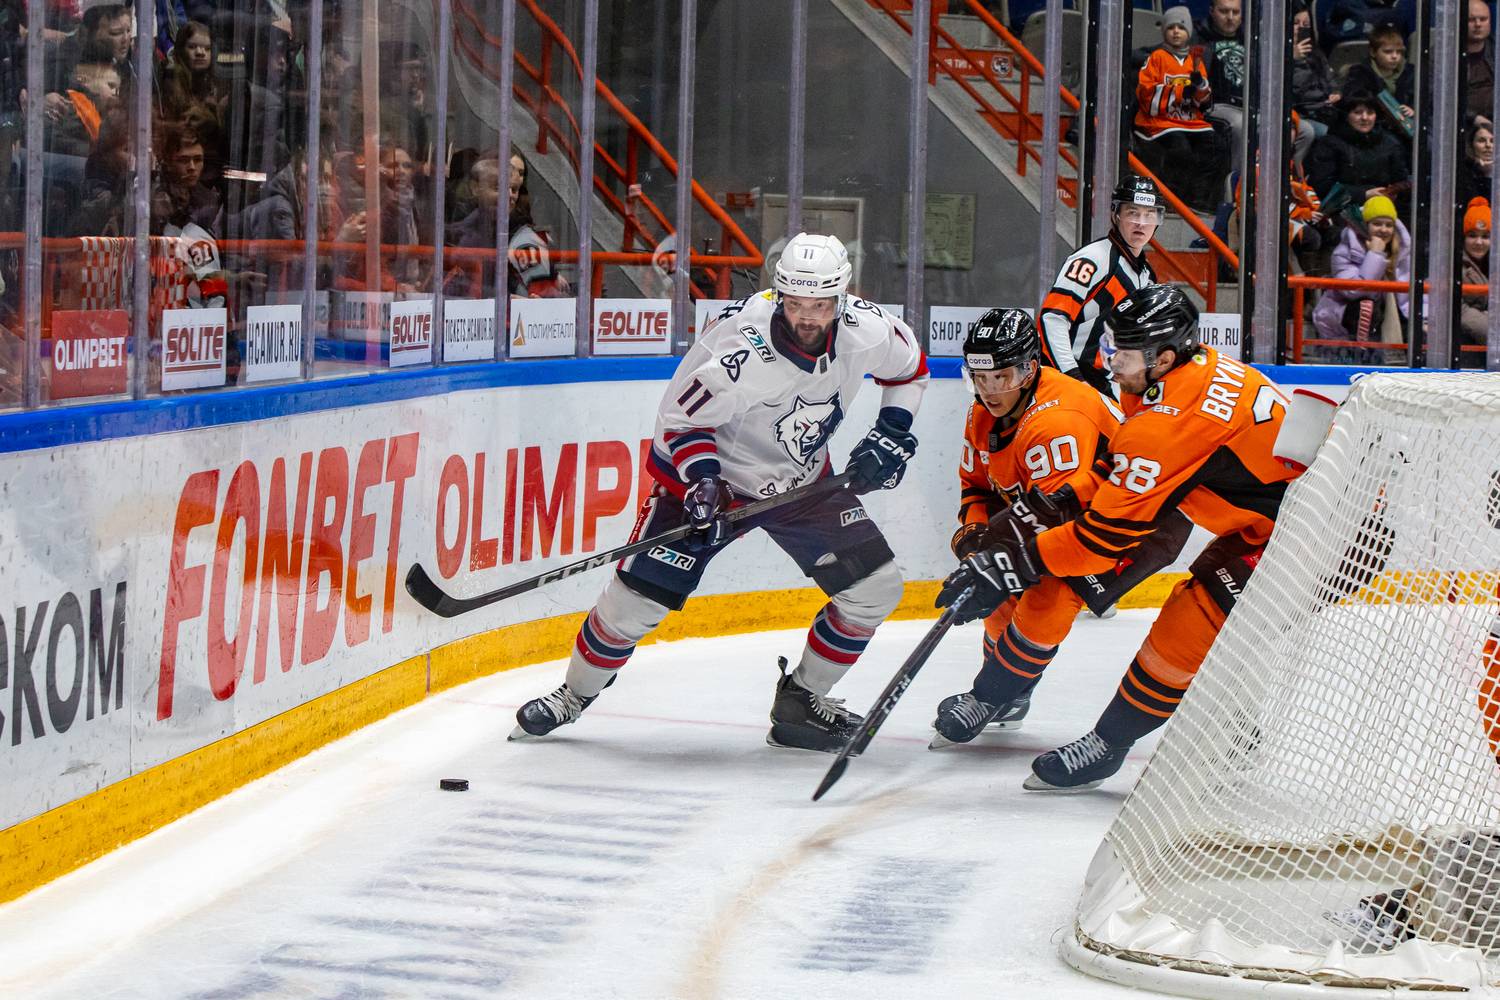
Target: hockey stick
{"type": "Point", "coordinates": [886, 703]}
{"type": "Point", "coordinates": [432, 597]}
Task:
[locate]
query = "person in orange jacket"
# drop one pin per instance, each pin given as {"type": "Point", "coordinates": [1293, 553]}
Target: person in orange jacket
{"type": "Point", "coordinates": [1173, 136]}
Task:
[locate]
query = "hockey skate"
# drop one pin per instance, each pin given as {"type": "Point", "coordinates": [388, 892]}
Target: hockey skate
{"type": "Point", "coordinates": [961, 717]}
{"type": "Point", "coordinates": [1076, 766]}
{"type": "Point", "coordinates": [540, 716]}
{"type": "Point", "coordinates": [804, 720]}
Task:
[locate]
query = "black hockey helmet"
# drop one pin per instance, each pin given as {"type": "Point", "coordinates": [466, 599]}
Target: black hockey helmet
{"type": "Point", "coordinates": [1001, 338]}
{"type": "Point", "coordinates": [1136, 190]}
{"type": "Point", "coordinates": [1153, 318]}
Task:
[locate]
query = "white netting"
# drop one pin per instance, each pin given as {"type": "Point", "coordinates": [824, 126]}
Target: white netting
{"type": "Point", "coordinates": [1324, 807]}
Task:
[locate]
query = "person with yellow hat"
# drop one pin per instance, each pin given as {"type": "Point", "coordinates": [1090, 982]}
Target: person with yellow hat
{"type": "Point", "coordinates": [1381, 252]}
{"type": "Point", "coordinates": [1474, 316]}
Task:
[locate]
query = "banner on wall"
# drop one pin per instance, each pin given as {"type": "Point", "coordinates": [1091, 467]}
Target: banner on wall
{"type": "Point", "coordinates": [543, 328]}
{"type": "Point", "coordinates": [273, 343]}
{"type": "Point", "coordinates": [410, 332]}
{"type": "Point", "coordinates": [632, 326]}
{"type": "Point", "coordinates": [1221, 331]}
{"type": "Point", "coordinates": [89, 355]}
{"type": "Point", "coordinates": [360, 316]}
{"type": "Point", "coordinates": [203, 581]}
{"type": "Point", "coordinates": [468, 329]}
{"type": "Point", "coordinates": [192, 348]}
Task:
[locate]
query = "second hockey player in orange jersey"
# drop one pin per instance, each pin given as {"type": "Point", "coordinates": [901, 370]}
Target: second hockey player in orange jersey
{"type": "Point", "coordinates": [1199, 434]}
{"type": "Point", "coordinates": [1036, 446]}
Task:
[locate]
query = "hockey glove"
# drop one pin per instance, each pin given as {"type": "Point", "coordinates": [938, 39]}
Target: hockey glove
{"type": "Point", "coordinates": [879, 460]}
{"type": "Point", "coordinates": [705, 504]}
{"type": "Point", "coordinates": [970, 537]}
{"type": "Point", "coordinates": [1040, 511]}
{"type": "Point", "coordinates": [997, 573]}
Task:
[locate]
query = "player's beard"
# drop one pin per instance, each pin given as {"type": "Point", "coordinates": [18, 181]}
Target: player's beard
{"type": "Point", "coordinates": [811, 336]}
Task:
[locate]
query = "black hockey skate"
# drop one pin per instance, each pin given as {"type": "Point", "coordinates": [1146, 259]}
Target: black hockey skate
{"type": "Point", "coordinates": [803, 720]}
{"type": "Point", "coordinates": [540, 716]}
{"type": "Point", "coordinates": [1076, 766]}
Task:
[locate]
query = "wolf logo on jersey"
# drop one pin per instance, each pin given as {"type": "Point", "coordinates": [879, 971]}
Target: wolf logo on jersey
{"type": "Point", "coordinates": [807, 426]}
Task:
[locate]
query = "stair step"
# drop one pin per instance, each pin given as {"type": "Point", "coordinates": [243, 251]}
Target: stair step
{"type": "Point", "coordinates": [969, 31]}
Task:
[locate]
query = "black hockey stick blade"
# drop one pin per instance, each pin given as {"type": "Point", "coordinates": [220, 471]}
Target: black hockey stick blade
{"type": "Point", "coordinates": [432, 597]}
{"type": "Point", "coordinates": [886, 703]}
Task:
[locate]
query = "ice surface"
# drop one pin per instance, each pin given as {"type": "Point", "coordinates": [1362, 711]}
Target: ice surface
{"type": "Point", "coordinates": [657, 849]}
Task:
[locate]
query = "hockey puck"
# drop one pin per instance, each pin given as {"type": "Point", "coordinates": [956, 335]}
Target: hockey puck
{"type": "Point", "coordinates": [454, 784]}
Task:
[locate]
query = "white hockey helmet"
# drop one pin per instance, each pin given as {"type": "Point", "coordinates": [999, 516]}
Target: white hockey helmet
{"type": "Point", "coordinates": [815, 267]}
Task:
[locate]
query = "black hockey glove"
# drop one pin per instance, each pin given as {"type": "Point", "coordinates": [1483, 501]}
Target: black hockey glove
{"type": "Point", "coordinates": [970, 537]}
{"type": "Point", "coordinates": [997, 573]}
{"type": "Point", "coordinates": [705, 504]}
{"type": "Point", "coordinates": [1039, 511]}
{"type": "Point", "coordinates": [879, 460]}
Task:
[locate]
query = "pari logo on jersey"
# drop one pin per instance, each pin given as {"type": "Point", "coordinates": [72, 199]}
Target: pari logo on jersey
{"type": "Point", "coordinates": [674, 559]}
{"type": "Point", "coordinates": [759, 342]}
{"type": "Point", "coordinates": [806, 427]}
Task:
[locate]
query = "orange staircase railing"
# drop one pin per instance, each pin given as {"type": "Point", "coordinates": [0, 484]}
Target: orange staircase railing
{"type": "Point", "coordinates": [617, 184]}
{"type": "Point", "coordinates": [1017, 123]}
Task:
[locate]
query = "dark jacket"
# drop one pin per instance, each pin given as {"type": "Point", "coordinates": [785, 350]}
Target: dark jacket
{"type": "Point", "coordinates": [1473, 182]}
{"type": "Point", "coordinates": [1362, 77]}
{"type": "Point", "coordinates": [1224, 60]}
{"type": "Point", "coordinates": [1312, 83]}
{"type": "Point", "coordinates": [1357, 161]}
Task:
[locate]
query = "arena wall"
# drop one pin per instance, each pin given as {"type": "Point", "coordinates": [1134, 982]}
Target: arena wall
{"type": "Point", "coordinates": [185, 610]}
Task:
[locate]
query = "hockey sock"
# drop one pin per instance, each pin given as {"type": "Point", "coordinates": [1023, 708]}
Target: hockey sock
{"type": "Point", "coordinates": [1012, 666]}
{"type": "Point", "coordinates": [609, 635]}
{"type": "Point", "coordinates": [833, 645]}
{"type": "Point", "coordinates": [1141, 705]}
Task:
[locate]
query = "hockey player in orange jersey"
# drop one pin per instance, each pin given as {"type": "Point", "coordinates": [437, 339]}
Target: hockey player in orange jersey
{"type": "Point", "coordinates": [1199, 433]}
{"type": "Point", "coordinates": [1036, 444]}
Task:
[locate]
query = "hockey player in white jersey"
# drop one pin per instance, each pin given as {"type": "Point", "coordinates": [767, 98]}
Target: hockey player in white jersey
{"type": "Point", "coordinates": [1094, 278]}
{"type": "Point", "coordinates": [749, 415]}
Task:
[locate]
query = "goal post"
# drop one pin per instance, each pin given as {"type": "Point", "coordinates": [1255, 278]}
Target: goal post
{"type": "Point", "coordinates": [1322, 814]}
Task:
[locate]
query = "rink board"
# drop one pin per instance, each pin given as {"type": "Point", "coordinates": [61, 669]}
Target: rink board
{"type": "Point", "coordinates": [181, 612]}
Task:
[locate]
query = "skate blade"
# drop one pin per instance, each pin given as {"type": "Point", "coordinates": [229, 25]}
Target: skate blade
{"type": "Point", "coordinates": [771, 742]}
{"type": "Point", "coordinates": [939, 742]}
{"type": "Point", "coordinates": [1033, 783]}
{"type": "Point", "coordinates": [1008, 726]}
{"type": "Point", "coordinates": [519, 735]}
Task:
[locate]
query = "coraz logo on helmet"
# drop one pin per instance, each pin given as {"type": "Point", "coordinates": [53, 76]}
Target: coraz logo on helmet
{"type": "Point", "coordinates": [1134, 190]}
{"type": "Point", "coordinates": [1151, 319]}
{"type": "Point", "coordinates": [999, 341]}
{"type": "Point", "coordinates": [814, 267]}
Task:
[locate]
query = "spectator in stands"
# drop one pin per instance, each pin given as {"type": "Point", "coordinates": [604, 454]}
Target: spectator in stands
{"type": "Point", "coordinates": [1474, 316]}
{"type": "Point", "coordinates": [187, 79]}
{"type": "Point", "coordinates": [531, 270]}
{"type": "Point", "coordinates": [1314, 91]}
{"type": "Point", "coordinates": [107, 178]}
{"type": "Point", "coordinates": [401, 222]}
{"type": "Point", "coordinates": [1177, 142]}
{"type": "Point", "coordinates": [1381, 251]}
{"type": "Point", "coordinates": [1479, 60]}
{"type": "Point", "coordinates": [180, 196]}
{"type": "Point", "coordinates": [1479, 160]}
{"type": "Point", "coordinates": [1351, 20]}
{"type": "Point", "coordinates": [94, 95]}
{"type": "Point", "coordinates": [1356, 160]}
{"type": "Point", "coordinates": [472, 277]}
{"type": "Point", "coordinates": [1387, 75]}
{"type": "Point", "coordinates": [1221, 45]}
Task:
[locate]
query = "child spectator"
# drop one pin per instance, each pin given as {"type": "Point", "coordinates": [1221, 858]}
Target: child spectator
{"type": "Point", "coordinates": [1474, 317]}
{"type": "Point", "coordinates": [1356, 157]}
{"type": "Point", "coordinates": [1177, 142]}
{"type": "Point", "coordinates": [1382, 252]}
{"type": "Point", "coordinates": [94, 95]}
{"type": "Point", "coordinates": [1387, 72]}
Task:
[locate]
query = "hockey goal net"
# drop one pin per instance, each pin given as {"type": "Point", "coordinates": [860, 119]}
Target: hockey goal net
{"type": "Point", "coordinates": [1322, 815]}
